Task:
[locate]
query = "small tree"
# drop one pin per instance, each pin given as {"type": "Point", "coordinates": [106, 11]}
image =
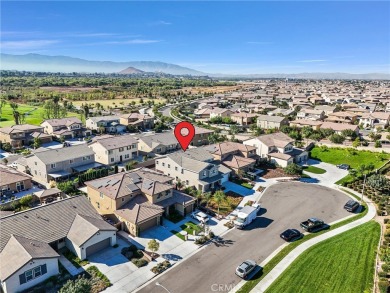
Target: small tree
{"type": "Point", "coordinates": [219, 197]}
{"type": "Point", "coordinates": [153, 245]}
{"type": "Point", "coordinates": [293, 169]}
{"type": "Point", "coordinates": [356, 142]}
{"type": "Point", "coordinates": [179, 184]}
{"type": "Point", "coordinates": [37, 142]}
{"type": "Point", "coordinates": [6, 146]}
{"type": "Point", "coordinates": [378, 144]}
{"type": "Point", "coordinates": [337, 138]}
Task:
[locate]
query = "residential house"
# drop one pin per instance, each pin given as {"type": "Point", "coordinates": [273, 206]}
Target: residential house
{"type": "Point", "coordinates": [375, 119]}
{"type": "Point", "coordinates": [13, 181]}
{"type": "Point", "coordinates": [158, 143]}
{"type": "Point", "coordinates": [281, 112]}
{"type": "Point", "coordinates": [52, 164]}
{"type": "Point", "coordinates": [311, 114]}
{"type": "Point", "coordinates": [195, 167]}
{"type": "Point", "coordinates": [114, 150]}
{"type": "Point", "coordinates": [137, 120]}
{"type": "Point", "coordinates": [107, 124]}
{"type": "Point", "coordinates": [203, 113]}
{"type": "Point", "coordinates": [220, 112]}
{"type": "Point", "coordinates": [342, 117]}
{"type": "Point", "coordinates": [29, 249]}
{"type": "Point", "coordinates": [326, 108]}
{"type": "Point", "coordinates": [277, 148]}
{"type": "Point", "coordinates": [137, 199]}
{"type": "Point", "coordinates": [315, 125]}
{"type": "Point", "coordinates": [238, 157]}
{"type": "Point", "coordinates": [244, 119]}
{"type": "Point", "coordinates": [339, 127]}
{"type": "Point", "coordinates": [271, 122]}
{"type": "Point", "coordinates": [22, 135]}
{"type": "Point", "coordinates": [69, 127]}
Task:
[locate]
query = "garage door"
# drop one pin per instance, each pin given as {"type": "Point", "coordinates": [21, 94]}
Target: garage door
{"type": "Point", "coordinates": [149, 224]}
{"type": "Point", "coordinates": [97, 246]}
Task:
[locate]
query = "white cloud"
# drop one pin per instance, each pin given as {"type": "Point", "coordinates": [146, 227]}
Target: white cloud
{"type": "Point", "coordinates": [312, 60]}
{"type": "Point", "coordinates": [160, 22]}
{"type": "Point", "coordinates": [27, 44]}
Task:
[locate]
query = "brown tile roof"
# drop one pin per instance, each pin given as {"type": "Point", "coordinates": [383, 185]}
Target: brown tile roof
{"type": "Point", "coordinates": [278, 139]}
{"type": "Point", "coordinates": [306, 122]}
{"type": "Point", "coordinates": [237, 161]}
{"type": "Point", "coordinates": [228, 147]}
{"type": "Point", "coordinates": [285, 157]}
{"type": "Point", "coordinates": [339, 126]}
{"type": "Point", "coordinates": [20, 128]}
{"type": "Point", "coordinates": [139, 210]}
{"type": "Point", "coordinates": [63, 121]}
{"type": "Point", "coordinates": [18, 251]}
{"type": "Point", "coordinates": [9, 175]}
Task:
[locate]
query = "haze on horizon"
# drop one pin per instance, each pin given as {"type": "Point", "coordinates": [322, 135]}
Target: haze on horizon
{"type": "Point", "coordinates": [211, 37]}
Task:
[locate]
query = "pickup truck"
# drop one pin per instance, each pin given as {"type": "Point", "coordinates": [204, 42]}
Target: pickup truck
{"type": "Point", "coordinates": [313, 224]}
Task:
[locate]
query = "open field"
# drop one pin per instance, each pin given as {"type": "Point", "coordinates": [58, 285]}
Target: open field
{"type": "Point", "coordinates": [344, 263]}
{"type": "Point", "coordinates": [34, 117]}
{"type": "Point", "coordinates": [214, 89]}
{"type": "Point", "coordinates": [116, 102]}
{"type": "Point", "coordinates": [353, 158]}
{"type": "Point", "coordinates": [67, 89]}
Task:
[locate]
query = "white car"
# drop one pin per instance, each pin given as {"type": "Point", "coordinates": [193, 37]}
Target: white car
{"type": "Point", "coordinates": [244, 269]}
{"type": "Point", "coordinates": [200, 216]}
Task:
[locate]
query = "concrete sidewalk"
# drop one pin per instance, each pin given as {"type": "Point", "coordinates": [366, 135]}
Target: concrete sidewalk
{"type": "Point", "coordinates": [264, 284]}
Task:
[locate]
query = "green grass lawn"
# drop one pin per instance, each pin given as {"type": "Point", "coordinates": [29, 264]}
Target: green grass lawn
{"type": "Point", "coordinates": [344, 263]}
{"type": "Point", "coordinates": [35, 116]}
{"type": "Point", "coordinates": [178, 234]}
{"type": "Point", "coordinates": [190, 227]}
{"type": "Point", "coordinates": [314, 170]}
{"type": "Point", "coordinates": [249, 285]}
{"type": "Point", "coordinates": [354, 158]}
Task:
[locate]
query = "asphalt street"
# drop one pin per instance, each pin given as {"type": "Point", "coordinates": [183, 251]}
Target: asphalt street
{"type": "Point", "coordinates": [284, 206]}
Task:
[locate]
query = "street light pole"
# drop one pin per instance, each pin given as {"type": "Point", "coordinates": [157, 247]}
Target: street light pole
{"type": "Point", "coordinates": [158, 284]}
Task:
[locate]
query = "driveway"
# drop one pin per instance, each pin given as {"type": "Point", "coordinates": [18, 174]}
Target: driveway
{"type": "Point", "coordinates": [332, 175]}
{"type": "Point", "coordinates": [285, 205]}
{"type": "Point", "coordinates": [231, 186]}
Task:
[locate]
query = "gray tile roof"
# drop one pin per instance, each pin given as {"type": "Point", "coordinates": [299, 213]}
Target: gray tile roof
{"type": "Point", "coordinates": [116, 142]}
{"type": "Point", "coordinates": [19, 251]}
{"type": "Point", "coordinates": [270, 118]}
{"type": "Point", "coordinates": [63, 154]}
{"type": "Point", "coordinates": [46, 223]}
{"type": "Point", "coordinates": [84, 227]}
{"type": "Point", "coordinates": [104, 118]}
{"type": "Point", "coordinates": [152, 141]}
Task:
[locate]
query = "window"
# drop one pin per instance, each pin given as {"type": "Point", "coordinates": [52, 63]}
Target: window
{"type": "Point", "coordinates": [86, 158]}
{"type": "Point", "coordinates": [163, 164]}
{"type": "Point", "coordinates": [121, 149]}
{"type": "Point", "coordinates": [52, 166]}
{"type": "Point", "coordinates": [36, 163]}
{"type": "Point", "coordinates": [187, 182]}
{"type": "Point", "coordinates": [32, 274]}
{"type": "Point", "coordinates": [70, 161]}
{"type": "Point", "coordinates": [98, 205]}
{"type": "Point", "coordinates": [175, 168]}
{"type": "Point", "coordinates": [112, 160]}
{"type": "Point", "coordinates": [101, 195]}
{"type": "Point", "coordinates": [123, 199]}
{"type": "Point", "coordinates": [35, 171]}
{"type": "Point", "coordinates": [169, 166]}
{"type": "Point", "coordinates": [204, 173]}
{"type": "Point", "coordinates": [157, 162]}
{"type": "Point", "coordinates": [110, 152]}
{"type": "Point", "coordinates": [182, 171]}
{"type": "Point", "coordinates": [159, 195]}
{"type": "Point", "coordinates": [134, 146]}
{"type": "Point", "coordinates": [128, 147]}
{"type": "Point", "coordinates": [127, 156]}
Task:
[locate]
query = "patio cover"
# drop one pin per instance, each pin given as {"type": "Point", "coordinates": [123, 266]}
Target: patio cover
{"type": "Point", "coordinates": [59, 174]}
{"type": "Point", "coordinates": [87, 167]}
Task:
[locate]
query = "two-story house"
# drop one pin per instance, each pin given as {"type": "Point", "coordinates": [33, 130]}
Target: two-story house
{"type": "Point", "coordinates": [115, 149]}
{"type": "Point", "coordinates": [238, 157]}
{"type": "Point", "coordinates": [69, 127]}
{"type": "Point", "coordinates": [220, 112]}
{"type": "Point", "coordinates": [13, 181]}
{"type": "Point", "coordinates": [243, 119]}
{"type": "Point", "coordinates": [46, 165]}
{"type": "Point", "coordinates": [277, 148]}
{"type": "Point", "coordinates": [22, 135]}
{"type": "Point", "coordinates": [107, 124]}
{"type": "Point", "coordinates": [137, 199]}
{"type": "Point", "coordinates": [158, 143]}
{"type": "Point", "coordinates": [375, 119]}
{"type": "Point", "coordinates": [195, 167]}
{"type": "Point", "coordinates": [339, 127]}
{"type": "Point", "coordinates": [311, 114]}
{"type": "Point", "coordinates": [140, 121]}
{"type": "Point", "coordinates": [342, 117]}
{"type": "Point", "coordinates": [30, 240]}
{"type": "Point", "coordinates": [271, 122]}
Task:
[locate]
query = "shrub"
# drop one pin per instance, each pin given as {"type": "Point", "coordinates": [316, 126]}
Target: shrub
{"type": "Point", "coordinates": [115, 245]}
{"type": "Point", "coordinates": [386, 267]}
{"type": "Point", "coordinates": [139, 262]}
{"type": "Point", "coordinates": [95, 273]}
{"type": "Point", "coordinates": [201, 240]}
{"type": "Point", "coordinates": [230, 225]}
{"type": "Point", "coordinates": [80, 285]}
{"type": "Point", "coordinates": [383, 286]}
{"type": "Point", "coordinates": [160, 267]}
{"type": "Point", "coordinates": [293, 169]}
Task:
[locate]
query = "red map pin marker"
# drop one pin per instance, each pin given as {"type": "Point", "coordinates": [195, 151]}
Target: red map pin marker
{"type": "Point", "coordinates": [184, 133]}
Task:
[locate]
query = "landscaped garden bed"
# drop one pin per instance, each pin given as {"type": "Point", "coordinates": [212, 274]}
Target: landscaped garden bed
{"type": "Point", "coordinates": [74, 259]}
{"type": "Point", "coordinates": [136, 256]}
{"type": "Point", "coordinates": [233, 199]}
{"type": "Point", "coordinates": [161, 267]}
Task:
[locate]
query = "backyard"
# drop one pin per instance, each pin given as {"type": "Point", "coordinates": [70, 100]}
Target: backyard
{"type": "Point", "coordinates": [344, 263]}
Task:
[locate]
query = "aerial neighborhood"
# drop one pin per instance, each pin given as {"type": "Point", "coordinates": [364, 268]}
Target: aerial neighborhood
{"type": "Point", "coordinates": [81, 191]}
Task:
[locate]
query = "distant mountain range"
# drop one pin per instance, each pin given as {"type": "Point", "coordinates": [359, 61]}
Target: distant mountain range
{"type": "Point", "coordinates": [44, 63]}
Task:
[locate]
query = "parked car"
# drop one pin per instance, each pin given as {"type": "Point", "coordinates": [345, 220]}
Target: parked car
{"type": "Point", "coordinates": [313, 225]}
{"type": "Point", "coordinates": [200, 216]}
{"type": "Point", "coordinates": [291, 235]}
{"type": "Point", "coordinates": [207, 211]}
{"type": "Point", "coordinates": [244, 269]}
{"type": "Point", "coordinates": [351, 205]}
{"type": "Point", "coordinates": [343, 166]}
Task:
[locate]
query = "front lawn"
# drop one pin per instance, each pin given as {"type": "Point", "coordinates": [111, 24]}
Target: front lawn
{"type": "Point", "coordinates": [232, 201]}
{"type": "Point", "coordinates": [178, 234]}
{"type": "Point", "coordinates": [352, 157]}
{"type": "Point", "coordinates": [190, 227]}
{"type": "Point", "coordinates": [344, 263]}
{"type": "Point", "coordinates": [314, 170]}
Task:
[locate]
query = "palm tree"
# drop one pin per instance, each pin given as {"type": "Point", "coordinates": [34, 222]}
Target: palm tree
{"type": "Point", "coordinates": [207, 197]}
{"type": "Point", "coordinates": [179, 184]}
{"type": "Point", "coordinates": [198, 195]}
{"type": "Point", "coordinates": [219, 197]}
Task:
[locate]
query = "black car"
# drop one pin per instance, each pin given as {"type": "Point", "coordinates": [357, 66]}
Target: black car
{"type": "Point", "coordinates": [351, 205]}
{"type": "Point", "coordinates": [291, 234]}
{"type": "Point", "coordinates": [343, 166]}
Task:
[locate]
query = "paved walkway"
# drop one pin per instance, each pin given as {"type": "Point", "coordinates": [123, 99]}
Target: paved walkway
{"type": "Point", "coordinates": [69, 266]}
{"type": "Point", "coordinates": [263, 285]}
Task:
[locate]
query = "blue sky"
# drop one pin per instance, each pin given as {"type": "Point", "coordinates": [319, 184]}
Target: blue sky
{"type": "Point", "coordinates": [213, 37]}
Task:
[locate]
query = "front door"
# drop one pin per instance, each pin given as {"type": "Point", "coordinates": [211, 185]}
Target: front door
{"type": "Point", "coordinates": [120, 158]}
